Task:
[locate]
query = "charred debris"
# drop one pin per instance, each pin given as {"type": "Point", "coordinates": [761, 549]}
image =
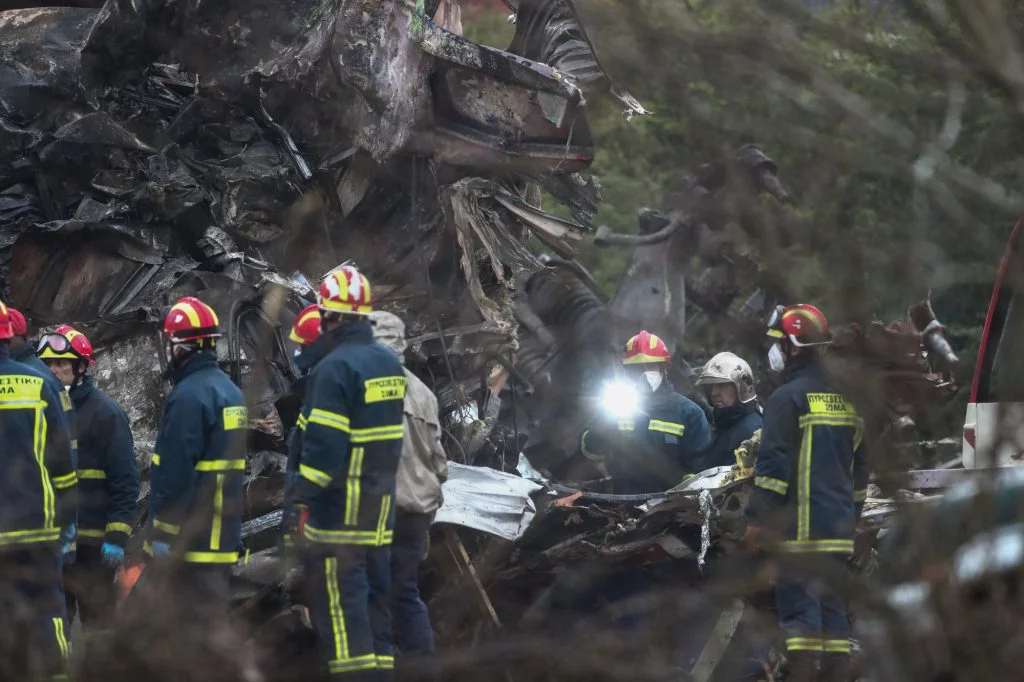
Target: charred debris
{"type": "Point", "coordinates": [141, 159]}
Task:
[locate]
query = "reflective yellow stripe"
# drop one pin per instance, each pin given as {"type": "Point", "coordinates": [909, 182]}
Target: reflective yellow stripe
{"type": "Point", "coordinates": [860, 495]}
{"type": "Point", "coordinates": [836, 546]}
{"type": "Point", "coordinates": [65, 401]}
{"type": "Point", "coordinates": [837, 646]}
{"type": "Point", "coordinates": [385, 662]}
{"type": "Point", "coordinates": [62, 640]}
{"type": "Point", "coordinates": [347, 537]}
{"type": "Point", "coordinates": [92, 473]}
{"type": "Point", "coordinates": [211, 557]}
{"type": "Point", "coordinates": [221, 465]}
{"type": "Point", "coordinates": [49, 497]}
{"type": "Point", "coordinates": [666, 427]}
{"type": "Point", "coordinates": [74, 444]}
{"type": "Point", "coordinates": [331, 419]}
{"type": "Point", "coordinates": [314, 476]}
{"type": "Point", "coordinates": [66, 481]}
{"type": "Point", "coordinates": [385, 510]}
{"type": "Point", "coordinates": [852, 421]}
{"type": "Point", "coordinates": [334, 607]}
{"type": "Point", "coordinates": [169, 528]}
{"type": "Point", "coordinates": [156, 460]}
{"type": "Point", "coordinates": [118, 527]}
{"type": "Point", "coordinates": [91, 532]}
{"type": "Point", "coordinates": [353, 486]}
{"type": "Point", "coordinates": [803, 497]}
{"type": "Point", "coordinates": [218, 512]}
{"type": "Point", "coordinates": [772, 484]}
{"type": "Point", "coordinates": [367, 662]}
{"type": "Point", "coordinates": [20, 537]}
{"type": "Point", "coordinates": [804, 644]}
{"type": "Point", "coordinates": [378, 433]}
{"type": "Point", "coordinates": [593, 456]}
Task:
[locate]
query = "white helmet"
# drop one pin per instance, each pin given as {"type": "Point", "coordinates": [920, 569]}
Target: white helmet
{"type": "Point", "coordinates": [729, 368]}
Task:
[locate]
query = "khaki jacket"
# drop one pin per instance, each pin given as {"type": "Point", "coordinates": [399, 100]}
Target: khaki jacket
{"type": "Point", "coordinates": [423, 466]}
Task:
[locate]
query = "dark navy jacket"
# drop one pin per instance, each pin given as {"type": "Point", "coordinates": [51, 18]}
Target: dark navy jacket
{"type": "Point", "coordinates": [108, 477]}
{"type": "Point", "coordinates": [811, 472]}
{"type": "Point", "coordinates": [304, 362]}
{"type": "Point", "coordinates": [26, 354]}
{"type": "Point", "coordinates": [39, 481]}
{"type": "Point", "coordinates": [653, 451]}
{"type": "Point", "coordinates": [733, 425]}
{"type": "Point", "coordinates": [196, 503]}
{"type": "Point", "coordinates": [351, 440]}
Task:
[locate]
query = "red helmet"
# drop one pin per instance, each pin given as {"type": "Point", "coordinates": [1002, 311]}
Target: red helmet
{"type": "Point", "coordinates": [803, 324]}
{"type": "Point", "coordinates": [345, 290]}
{"type": "Point", "coordinates": [6, 330]}
{"type": "Point", "coordinates": [645, 348]}
{"type": "Point", "coordinates": [191, 320]}
{"type": "Point", "coordinates": [18, 324]}
{"type": "Point", "coordinates": [306, 328]}
{"type": "Point", "coordinates": [65, 343]}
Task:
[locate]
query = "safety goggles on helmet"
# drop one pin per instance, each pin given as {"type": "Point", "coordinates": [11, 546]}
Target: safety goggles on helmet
{"type": "Point", "coordinates": [65, 344]}
{"type": "Point", "coordinates": [775, 322]}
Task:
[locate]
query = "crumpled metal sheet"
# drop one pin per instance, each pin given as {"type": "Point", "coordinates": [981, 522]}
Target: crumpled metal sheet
{"type": "Point", "coordinates": [487, 500]}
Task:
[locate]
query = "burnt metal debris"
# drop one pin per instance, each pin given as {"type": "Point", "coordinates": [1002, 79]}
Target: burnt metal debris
{"type": "Point", "coordinates": [142, 160]}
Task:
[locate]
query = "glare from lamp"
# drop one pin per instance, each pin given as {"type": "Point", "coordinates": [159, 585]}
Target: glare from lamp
{"type": "Point", "coordinates": [619, 399]}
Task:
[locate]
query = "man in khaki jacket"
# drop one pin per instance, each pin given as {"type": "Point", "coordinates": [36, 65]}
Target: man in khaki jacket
{"type": "Point", "coordinates": [422, 469]}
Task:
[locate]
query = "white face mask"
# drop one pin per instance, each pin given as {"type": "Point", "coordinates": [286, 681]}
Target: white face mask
{"type": "Point", "coordinates": [653, 379]}
{"type": "Point", "coordinates": [776, 358]}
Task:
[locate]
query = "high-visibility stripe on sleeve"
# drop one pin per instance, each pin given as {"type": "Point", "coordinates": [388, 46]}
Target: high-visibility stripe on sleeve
{"type": "Point", "coordinates": [804, 644]}
{"type": "Point", "coordinates": [314, 476]}
{"type": "Point", "coordinates": [168, 528]}
{"type": "Point", "coordinates": [666, 427]}
{"type": "Point", "coordinates": [92, 474]}
{"type": "Point", "coordinates": [66, 481]}
{"type": "Point", "coordinates": [91, 533]}
{"type": "Point", "coordinates": [860, 495]}
{"type": "Point", "coordinates": [385, 662]}
{"type": "Point", "coordinates": [331, 419]}
{"type": "Point", "coordinates": [26, 537]}
{"type": "Point", "coordinates": [221, 465]}
{"type": "Point", "coordinates": [836, 646]}
{"type": "Point", "coordinates": [119, 527]}
{"type": "Point", "coordinates": [773, 484]}
{"type": "Point", "coordinates": [211, 557]}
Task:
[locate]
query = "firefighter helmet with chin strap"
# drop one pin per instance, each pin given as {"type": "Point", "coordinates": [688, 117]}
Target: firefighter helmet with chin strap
{"type": "Point", "coordinates": [803, 325]}
{"type": "Point", "coordinates": [6, 330]}
{"type": "Point", "coordinates": [345, 291]}
{"type": "Point", "coordinates": [191, 320]}
{"type": "Point", "coordinates": [306, 328]}
{"type": "Point", "coordinates": [645, 349]}
{"type": "Point", "coordinates": [65, 343]}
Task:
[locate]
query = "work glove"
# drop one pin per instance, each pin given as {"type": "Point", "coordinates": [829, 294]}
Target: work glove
{"type": "Point", "coordinates": [293, 525]}
{"type": "Point", "coordinates": [113, 555]}
{"type": "Point", "coordinates": [161, 549]}
{"type": "Point", "coordinates": [69, 543]}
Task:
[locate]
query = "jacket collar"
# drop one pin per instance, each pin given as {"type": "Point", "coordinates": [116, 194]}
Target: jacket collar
{"type": "Point", "coordinates": [204, 359]}
{"type": "Point", "coordinates": [81, 391]}
{"type": "Point", "coordinates": [22, 353]}
{"type": "Point", "coordinates": [799, 366]}
{"type": "Point", "coordinates": [725, 417]}
{"type": "Point", "coordinates": [313, 353]}
{"type": "Point", "coordinates": [351, 332]}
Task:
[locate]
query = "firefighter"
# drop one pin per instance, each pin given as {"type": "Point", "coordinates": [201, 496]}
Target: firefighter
{"type": "Point", "coordinates": [107, 473]}
{"type": "Point", "coordinates": [422, 470]}
{"type": "Point", "coordinates": [656, 443]}
{"type": "Point", "coordinates": [198, 469]}
{"type": "Point", "coordinates": [729, 385]}
{"type": "Point", "coordinates": [343, 499]}
{"type": "Point", "coordinates": [810, 484]}
{"type": "Point", "coordinates": [24, 351]}
{"type": "Point", "coordinates": [37, 519]}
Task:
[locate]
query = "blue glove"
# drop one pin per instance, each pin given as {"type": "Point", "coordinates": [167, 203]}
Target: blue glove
{"type": "Point", "coordinates": [113, 554]}
{"type": "Point", "coordinates": [68, 544]}
{"type": "Point", "coordinates": [159, 549]}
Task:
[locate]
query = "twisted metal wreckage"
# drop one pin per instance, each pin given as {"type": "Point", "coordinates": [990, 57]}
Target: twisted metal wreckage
{"type": "Point", "coordinates": [142, 159]}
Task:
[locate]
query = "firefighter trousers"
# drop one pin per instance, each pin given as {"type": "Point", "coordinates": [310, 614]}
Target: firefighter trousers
{"type": "Point", "coordinates": [33, 633]}
{"type": "Point", "coordinates": [350, 593]}
{"type": "Point", "coordinates": [811, 606]}
{"type": "Point", "coordinates": [89, 587]}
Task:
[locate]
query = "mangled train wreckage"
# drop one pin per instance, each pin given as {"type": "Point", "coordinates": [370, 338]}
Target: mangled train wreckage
{"type": "Point", "coordinates": [142, 159]}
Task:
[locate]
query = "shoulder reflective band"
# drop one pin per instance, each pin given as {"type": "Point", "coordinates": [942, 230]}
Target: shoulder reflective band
{"type": "Point", "coordinates": [17, 388]}
{"type": "Point", "coordinates": [385, 388]}
{"type": "Point", "coordinates": [667, 427]}
{"type": "Point", "coordinates": [236, 418]}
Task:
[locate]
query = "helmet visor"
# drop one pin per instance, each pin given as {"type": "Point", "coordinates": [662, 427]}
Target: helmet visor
{"type": "Point", "coordinates": [775, 322]}
{"type": "Point", "coordinates": [58, 343]}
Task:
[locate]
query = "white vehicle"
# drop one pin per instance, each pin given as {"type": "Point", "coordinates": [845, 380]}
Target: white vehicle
{"type": "Point", "coordinates": [993, 432]}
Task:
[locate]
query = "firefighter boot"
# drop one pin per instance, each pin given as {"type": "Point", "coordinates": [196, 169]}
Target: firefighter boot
{"type": "Point", "coordinates": [803, 666]}
{"type": "Point", "coordinates": [834, 668]}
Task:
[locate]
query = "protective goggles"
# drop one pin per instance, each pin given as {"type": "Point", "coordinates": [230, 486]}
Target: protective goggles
{"type": "Point", "coordinates": [55, 346]}
{"type": "Point", "coordinates": [775, 322]}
